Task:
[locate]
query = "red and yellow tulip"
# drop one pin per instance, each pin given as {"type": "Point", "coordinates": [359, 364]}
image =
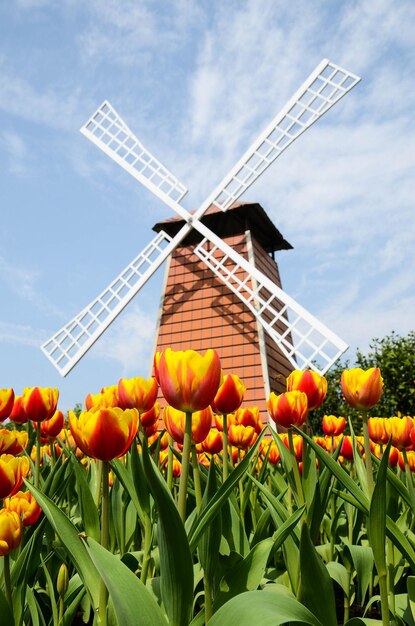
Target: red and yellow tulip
{"type": "Point", "coordinates": [333, 426]}
{"type": "Point", "coordinates": [137, 393]}
{"type": "Point", "coordinates": [189, 381]}
{"type": "Point", "coordinates": [229, 395]}
{"type": "Point", "coordinates": [311, 383]}
{"type": "Point", "coordinates": [108, 398]}
{"type": "Point", "coordinates": [52, 427]}
{"type": "Point", "coordinates": [362, 389]}
{"type": "Point", "coordinates": [104, 433]}
{"type": "Point", "coordinates": [18, 415]}
{"type": "Point", "coordinates": [174, 421]}
{"type": "Point", "coordinates": [399, 428]}
{"type": "Point", "coordinates": [377, 430]}
{"type": "Point", "coordinates": [288, 409]}
{"type": "Point", "coordinates": [6, 403]}
{"type": "Point", "coordinates": [11, 530]}
{"type": "Point", "coordinates": [12, 441]}
{"type": "Point", "coordinates": [213, 442]}
{"type": "Point", "coordinates": [25, 505]}
{"type": "Point", "coordinates": [39, 403]}
{"type": "Point", "coordinates": [12, 471]}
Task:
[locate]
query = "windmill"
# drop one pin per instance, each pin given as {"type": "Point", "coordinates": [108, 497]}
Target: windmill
{"type": "Point", "coordinates": [304, 340]}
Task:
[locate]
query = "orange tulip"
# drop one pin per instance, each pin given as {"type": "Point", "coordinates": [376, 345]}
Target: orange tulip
{"type": "Point", "coordinates": [346, 450]}
{"type": "Point", "coordinates": [297, 444]}
{"type": "Point", "coordinates": [213, 443]}
{"type": "Point", "coordinates": [156, 362]}
{"type": "Point", "coordinates": [174, 421]}
{"type": "Point", "coordinates": [362, 389]}
{"type": "Point", "coordinates": [399, 428]}
{"type": "Point", "coordinates": [377, 430]}
{"type": "Point", "coordinates": [12, 441]}
{"type": "Point", "coordinates": [52, 427]}
{"type": "Point", "coordinates": [268, 446]}
{"type": "Point", "coordinates": [12, 471]}
{"type": "Point", "coordinates": [11, 530]}
{"type": "Point", "coordinates": [137, 393]}
{"type": "Point", "coordinates": [45, 451]}
{"type": "Point", "coordinates": [104, 433]}
{"type": "Point", "coordinates": [333, 426]}
{"type": "Point", "coordinates": [248, 416]}
{"type": "Point", "coordinates": [18, 415]}
{"type": "Point", "coordinates": [229, 395]}
{"type": "Point", "coordinates": [163, 440]}
{"type": "Point", "coordinates": [410, 455]}
{"type": "Point", "coordinates": [241, 436]}
{"type": "Point", "coordinates": [39, 403]}
{"type": "Point", "coordinates": [188, 380]}
{"type": "Point", "coordinates": [26, 507]}
{"type": "Point", "coordinates": [108, 398]}
{"type": "Point", "coordinates": [393, 454]}
{"type": "Point", "coordinates": [150, 417]}
{"type": "Point", "coordinates": [177, 466]}
{"type": "Point", "coordinates": [6, 403]}
{"type": "Point", "coordinates": [288, 409]}
{"type": "Point", "coordinates": [311, 383]}
{"type": "Point", "coordinates": [323, 442]}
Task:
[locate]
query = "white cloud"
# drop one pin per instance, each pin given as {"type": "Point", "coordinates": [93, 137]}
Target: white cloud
{"type": "Point", "coordinates": [129, 340]}
{"type": "Point", "coordinates": [21, 334]}
{"type": "Point", "coordinates": [16, 153]}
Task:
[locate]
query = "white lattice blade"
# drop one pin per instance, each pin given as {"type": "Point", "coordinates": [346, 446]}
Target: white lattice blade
{"type": "Point", "coordinates": [325, 86]}
{"type": "Point", "coordinates": [66, 347]}
{"type": "Point", "coordinates": [107, 130]}
{"type": "Point", "coordinates": [304, 340]}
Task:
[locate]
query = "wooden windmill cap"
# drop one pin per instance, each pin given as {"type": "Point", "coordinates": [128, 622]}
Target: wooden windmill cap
{"type": "Point", "coordinates": [240, 217]}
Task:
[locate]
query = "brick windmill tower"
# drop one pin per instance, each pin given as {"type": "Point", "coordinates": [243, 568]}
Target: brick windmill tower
{"type": "Point", "coordinates": [199, 311]}
{"type": "Point", "coordinates": [223, 288]}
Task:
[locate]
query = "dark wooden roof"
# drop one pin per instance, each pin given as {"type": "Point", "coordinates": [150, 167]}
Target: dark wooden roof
{"type": "Point", "coordinates": [240, 217]}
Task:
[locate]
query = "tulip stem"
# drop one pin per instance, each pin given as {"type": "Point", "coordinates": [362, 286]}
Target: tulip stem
{"type": "Point", "coordinates": [147, 548]}
{"type": "Point", "coordinates": [296, 471]}
{"type": "Point", "coordinates": [225, 447]}
{"type": "Point", "coordinates": [170, 464]}
{"type": "Point", "coordinates": [187, 444]}
{"type": "Point", "coordinates": [196, 479]}
{"type": "Point", "coordinates": [103, 592]}
{"type": "Point", "coordinates": [37, 459]}
{"type": "Point", "coordinates": [368, 454]}
{"type": "Point", "coordinates": [7, 581]}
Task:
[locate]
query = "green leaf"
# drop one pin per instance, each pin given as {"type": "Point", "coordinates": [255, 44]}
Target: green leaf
{"type": "Point", "coordinates": [340, 574]}
{"type": "Point", "coordinates": [210, 541]}
{"type": "Point", "coordinates": [176, 564]}
{"type": "Point", "coordinates": [246, 575]}
{"type": "Point", "coordinates": [363, 621]}
{"type": "Point", "coordinates": [266, 609]}
{"type": "Point", "coordinates": [127, 482]}
{"type": "Point", "coordinates": [89, 512]}
{"type": "Point", "coordinates": [411, 594]}
{"type": "Point", "coordinates": [69, 536]}
{"type": "Point", "coordinates": [134, 461]}
{"type": "Point", "coordinates": [222, 496]}
{"type": "Point", "coordinates": [6, 615]}
{"type": "Point", "coordinates": [377, 515]}
{"type": "Point", "coordinates": [316, 589]}
{"type": "Point", "coordinates": [134, 604]}
{"type": "Point", "coordinates": [362, 559]}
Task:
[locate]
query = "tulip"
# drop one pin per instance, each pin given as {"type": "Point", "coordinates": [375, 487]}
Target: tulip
{"type": "Point", "coordinates": [150, 417]}
{"type": "Point", "coordinates": [213, 443]}
{"type": "Point", "coordinates": [39, 403]}
{"type": "Point", "coordinates": [288, 409]}
{"type": "Point", "coordinates": [270, 448]}
{"type": "Point", "coordinates": [393, 454]}
{"type": "Point", "coordinates": [229, 395]}
{"type": "Point", "coordinates": [108, 398]}
{"type": "Point", "coordinates": [241, 436]}
{"type": "Point", "coordinates": [297, 444]}
{"type": "Point", "coordinates": [6, 403]}
{"type": "Point", "coordinates": [18, 415]}
{"type": "Point", "coordinates": [52, 427]}
{"type": "Point", "coordinates": [323, 442]}
{"type": "Point", "coordinates": [399, 428]}
{"type": "Point", "coordinates": [311, 383]}
{"type": "Point", "coordinates": [333, 426]}
{"type": "Point", "coordinates": [12, 441]}
{"type": "Point", "coordinates": [11, 529]}
{"type": "Point", "coordinates": [104, 433]}
{"type": "Point", "coordinates": [377, 430]}
{"type": "Point", "coordinates": [248, 416]}
{"type": "Point", "coordinates": [137, 393]}
{"type": "Point", "coordinates": [188, 380]}
{"type": "Point", "coordinates": [362, 389]}
{"type": "Point", "coordinates": [174, 421]}
{"type": "Point", "coordinates": [410, 457]}
{"type": "Point", "coordinates": [26, 507]}
{"type": "Point", "coordinates": [156, 362]}
{"type": "Point", "coordinates": [163, 440]}
{"type": "Point", "coordinates": [12, 471]}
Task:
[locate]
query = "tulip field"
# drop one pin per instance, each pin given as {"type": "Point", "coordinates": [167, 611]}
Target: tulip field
{"type": "Point", "coordinates": [140, 512]}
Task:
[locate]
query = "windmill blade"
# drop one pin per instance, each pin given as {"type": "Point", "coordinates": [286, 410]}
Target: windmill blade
{"type": "Point", "coordinates": [107, 130]}
{"type": "Point", "coordinates": [303, 339]}
{"type": "Point", "coordinates": [325, 86]}
{"type": "Point", "coordinates": [66, 347]}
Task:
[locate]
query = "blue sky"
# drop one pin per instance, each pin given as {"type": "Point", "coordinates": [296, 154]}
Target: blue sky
{"type": "Point", "coordinates": [197, 82]}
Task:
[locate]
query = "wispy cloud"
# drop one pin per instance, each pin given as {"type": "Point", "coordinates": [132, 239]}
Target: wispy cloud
{"type": "Point", "coordinates": [16, 153]}
{"type": "Point", "coordinates": [128, 341]}
{"type": "Point", "coordinates": [20, 334]}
